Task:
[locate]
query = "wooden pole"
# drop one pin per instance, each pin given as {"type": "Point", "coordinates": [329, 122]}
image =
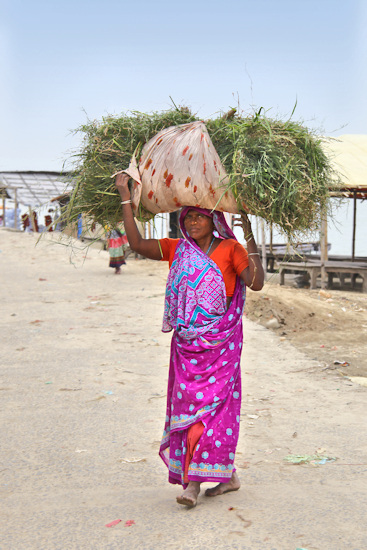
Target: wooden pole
{"type": "Point", "coordinates": [31, 217]}
{"type": "Point", "coordinates": [15, 209]}
{"type": "Point", "coordinates": [4, 209]}
{"type": "Point", "coordinates": [263, 246]}
{"type": "Point", "coordinates": [323, 249]}
{"type": "Point", "coordinates": [354, 225]}
{"type": "Point", "coordinates": [271, 239]}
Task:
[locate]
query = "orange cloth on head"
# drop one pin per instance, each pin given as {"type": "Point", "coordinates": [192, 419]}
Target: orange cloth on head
{"type": "Point", "coordinates": [230, 256]}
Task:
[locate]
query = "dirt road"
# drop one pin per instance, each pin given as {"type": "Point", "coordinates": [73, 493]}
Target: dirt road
{"type": "Point", "coordinates": [83, 370]}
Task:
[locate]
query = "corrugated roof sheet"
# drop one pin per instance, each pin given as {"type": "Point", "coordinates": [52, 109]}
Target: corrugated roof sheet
{"type": "Point", "coordinates": [35, 188]}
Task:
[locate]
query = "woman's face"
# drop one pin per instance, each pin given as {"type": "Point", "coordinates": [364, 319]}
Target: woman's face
{"type": "Point", "coordinates": [198, 225]}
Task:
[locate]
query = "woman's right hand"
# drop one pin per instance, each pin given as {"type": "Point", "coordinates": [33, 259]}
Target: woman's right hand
{"type": "Point", "coordinates": [122, 186]}
{"type": "Point", "coordinates": [149, 248]}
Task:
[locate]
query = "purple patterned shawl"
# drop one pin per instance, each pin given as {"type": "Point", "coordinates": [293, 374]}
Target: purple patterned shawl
{"type": "Point", "coordinates": [204, 381]}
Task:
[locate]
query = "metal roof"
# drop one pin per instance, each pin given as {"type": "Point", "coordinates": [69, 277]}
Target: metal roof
{"type": "Point", "coordinates": [35, 188]}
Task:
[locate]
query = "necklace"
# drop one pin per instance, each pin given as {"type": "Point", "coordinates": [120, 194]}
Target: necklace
{"type": "Point", "coordinates": [207, 252]}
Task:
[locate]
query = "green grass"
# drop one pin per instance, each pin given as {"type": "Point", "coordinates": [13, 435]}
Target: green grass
{"type": "Point", "coordinates": [277, 169]}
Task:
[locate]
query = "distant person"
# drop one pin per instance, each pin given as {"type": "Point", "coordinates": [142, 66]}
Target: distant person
{"type": "Point", "coordinates": [25, 221]}
{"type": "Point", "coordinates": [35, 219]}
{"type": "Point", "coordinates": [205, 298]}
{"type": "Point", "coordinates": [49, 220]}
{"type": "Point", "coordinates": [117, 242]}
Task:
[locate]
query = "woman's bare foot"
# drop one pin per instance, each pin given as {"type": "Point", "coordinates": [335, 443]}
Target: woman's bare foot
{"type": "Point", "coordinates": [233, 485]}
{"type": "Point", "coordinates": [190, 495]}
{"type": "Point", "coordinates": [117, 270]}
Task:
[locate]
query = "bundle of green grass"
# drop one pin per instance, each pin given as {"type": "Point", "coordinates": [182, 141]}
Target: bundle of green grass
{"type": "Point", "coordinates": [278, 169]}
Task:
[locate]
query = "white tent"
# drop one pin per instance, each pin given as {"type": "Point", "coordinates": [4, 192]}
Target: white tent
{"type": "Point", "coordinates": [348, 154]}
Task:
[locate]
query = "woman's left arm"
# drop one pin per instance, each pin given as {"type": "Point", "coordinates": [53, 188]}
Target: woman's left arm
{"type": "Point", "coordinates": [253, 275]}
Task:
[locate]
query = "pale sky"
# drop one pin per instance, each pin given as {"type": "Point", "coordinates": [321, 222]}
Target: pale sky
{"type": "Point", "coordinates": [64, 61]}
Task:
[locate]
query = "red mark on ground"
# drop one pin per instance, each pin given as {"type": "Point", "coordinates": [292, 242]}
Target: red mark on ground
{"type": "Point", "coordinates": [185, 150]}
{"type": "Point", "coordinates": [187, 182]}
{"type": "Point", "coordinates": [113, 523]}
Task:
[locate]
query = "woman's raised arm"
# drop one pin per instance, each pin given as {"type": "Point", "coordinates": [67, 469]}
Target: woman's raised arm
{"type": "Point", "coordinates": [146, 247]}
{"type": "Point", "coordinates": [253, 275]}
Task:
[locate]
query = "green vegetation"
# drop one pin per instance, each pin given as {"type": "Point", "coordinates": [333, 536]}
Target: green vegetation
{"type": "Point", "coordinates": [278, 169]}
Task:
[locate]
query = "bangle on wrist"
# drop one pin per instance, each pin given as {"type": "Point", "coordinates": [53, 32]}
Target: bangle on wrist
{"type": "Point", "coordinates": [253, 254]}
{"type": "Point", "coordinates": [126, 202]}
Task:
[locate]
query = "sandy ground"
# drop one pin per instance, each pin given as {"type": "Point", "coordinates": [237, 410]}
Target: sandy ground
{"type": "Point", "coordinates": [83, 369]}
{"type": "Point", "coordinates": [330, 326]}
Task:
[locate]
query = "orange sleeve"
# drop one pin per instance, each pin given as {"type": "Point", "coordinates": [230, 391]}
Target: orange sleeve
{"type": "Point", "coordinates": [231, 258]}
{"type": "Point", "coordinates": [168, 247]}
{"type": "Point", "coordinates": [240, 258]}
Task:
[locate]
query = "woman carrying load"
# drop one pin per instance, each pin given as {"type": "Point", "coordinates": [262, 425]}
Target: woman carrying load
{"type": "Point", "coordinates": [204, 303]}
{"type": "Point", "coordinates": [117, 242]}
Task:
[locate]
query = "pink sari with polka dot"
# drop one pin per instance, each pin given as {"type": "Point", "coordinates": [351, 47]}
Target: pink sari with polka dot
{"type": "Point", "coordinates": [204, 382]}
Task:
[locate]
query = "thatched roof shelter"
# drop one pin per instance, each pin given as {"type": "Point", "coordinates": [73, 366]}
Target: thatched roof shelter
{"type": "Point", "coordinates": [349, 155]}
